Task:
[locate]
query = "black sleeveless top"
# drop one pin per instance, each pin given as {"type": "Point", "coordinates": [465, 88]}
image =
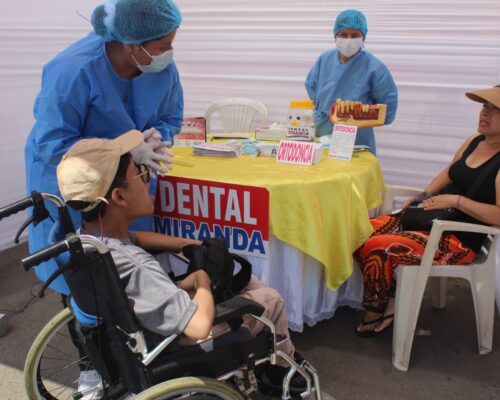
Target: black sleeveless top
{"type": "Point", "coordinates": [463, 177]}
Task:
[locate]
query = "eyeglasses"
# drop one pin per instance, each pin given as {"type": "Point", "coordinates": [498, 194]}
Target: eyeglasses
{"type": "Point", "coordinates": [491, 108]}
{"type": "Point", "coordinates": [142, 172]}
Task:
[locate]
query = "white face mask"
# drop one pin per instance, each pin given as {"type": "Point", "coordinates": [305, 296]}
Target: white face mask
{"type": "Point", "coordinates": [158, 63]}
{"type": "Point", "coordinates": [349, 47]}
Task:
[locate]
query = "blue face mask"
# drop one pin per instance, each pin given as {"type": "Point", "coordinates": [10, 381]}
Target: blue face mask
{"type": "Point", "coordinates": [158, 63]}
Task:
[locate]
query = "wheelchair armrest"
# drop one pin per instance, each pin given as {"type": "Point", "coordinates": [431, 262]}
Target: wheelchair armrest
{"type": "Point", "coordinates": [234, 308]}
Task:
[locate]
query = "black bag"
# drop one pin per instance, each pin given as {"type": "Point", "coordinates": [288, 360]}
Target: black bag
{"type": "Point", "coordinates": [214, 257]}
{"type": "Point", "coordinates": [414, 218]}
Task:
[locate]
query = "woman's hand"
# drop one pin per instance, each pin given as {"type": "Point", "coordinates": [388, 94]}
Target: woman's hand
{"type": "Point", "coordinates": [440, 202]}
{"type": "Point", "coordinates": [418, 198]}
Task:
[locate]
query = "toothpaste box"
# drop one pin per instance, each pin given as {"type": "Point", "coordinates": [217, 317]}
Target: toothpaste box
{"type": "Point", "coordinates": [273, 132]}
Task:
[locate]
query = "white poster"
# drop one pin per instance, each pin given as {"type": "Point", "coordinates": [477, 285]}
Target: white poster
{"type": "Point", "coordinates": [342, 145]}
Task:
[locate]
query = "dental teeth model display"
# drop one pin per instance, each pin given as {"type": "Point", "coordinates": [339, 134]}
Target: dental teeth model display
{"type": "Point", "coordinates": [355, 113]}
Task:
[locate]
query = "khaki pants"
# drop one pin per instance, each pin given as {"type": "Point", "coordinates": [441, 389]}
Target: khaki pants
{"type": "Point", "coordinates": [274, 310]}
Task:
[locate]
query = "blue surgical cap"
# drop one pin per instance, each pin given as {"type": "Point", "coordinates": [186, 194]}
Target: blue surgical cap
{"type": "Point", "coordinates": [135, 21]}
{"type": "Point", "coordinates": [350, 19]}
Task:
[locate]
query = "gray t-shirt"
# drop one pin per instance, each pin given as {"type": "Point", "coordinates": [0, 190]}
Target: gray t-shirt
{"type": "Point", "coordinates": [159, 305]}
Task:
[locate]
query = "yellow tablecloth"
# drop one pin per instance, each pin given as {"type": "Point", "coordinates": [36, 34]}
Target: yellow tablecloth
{"type": "Point", "coordinates": [320, 209]}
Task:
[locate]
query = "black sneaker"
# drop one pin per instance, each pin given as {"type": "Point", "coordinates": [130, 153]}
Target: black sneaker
{"type": "Point", "coordinates": [272, 376]}
{"type": "Point", "coordinates": [297, 357]}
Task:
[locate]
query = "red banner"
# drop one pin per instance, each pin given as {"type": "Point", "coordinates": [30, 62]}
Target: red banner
{"type": "Point", "coordinates": [198, 209]}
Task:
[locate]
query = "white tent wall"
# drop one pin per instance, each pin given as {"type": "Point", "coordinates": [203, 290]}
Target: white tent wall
{"type": "Point", "coordinates": [263, 49]}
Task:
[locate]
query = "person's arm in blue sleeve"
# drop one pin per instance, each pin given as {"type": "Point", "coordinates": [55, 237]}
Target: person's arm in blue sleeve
{"type": "Point", "coordinates": [311, 81]}
{"type": "Point", "coordinates": [59, 117]}
{"type": "Point", "coordinates": [171, 121]}
{"type": "Point", "coordinates": [385, 91]}
{"type": "Point", "coordinates": [311, 87]}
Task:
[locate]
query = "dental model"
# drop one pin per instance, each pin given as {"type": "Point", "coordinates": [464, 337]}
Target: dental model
{"type": "Point", "coordinates": [355, 113]}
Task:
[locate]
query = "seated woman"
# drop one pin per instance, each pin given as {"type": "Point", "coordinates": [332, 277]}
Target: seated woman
{"type": "Point", "coordinates": [389, 246]}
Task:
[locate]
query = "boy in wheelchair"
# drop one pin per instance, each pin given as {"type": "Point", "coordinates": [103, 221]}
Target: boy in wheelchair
{"type": "Point", "coordinates": [99, 178]}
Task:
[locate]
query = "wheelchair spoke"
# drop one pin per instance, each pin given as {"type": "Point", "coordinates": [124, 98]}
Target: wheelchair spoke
{"type": "Point", "coordinates": [80, 361]}
{"type": "Point", "coordinates": [57, 369]}
{"type": "Point", "coordinates": [61, 389]}
{"type": "Point", "coordinates": [64, 335]}
{"type": "Point", "coordinates": [58, 359]}
{"type": "Point", "coordinates": [60, 351]}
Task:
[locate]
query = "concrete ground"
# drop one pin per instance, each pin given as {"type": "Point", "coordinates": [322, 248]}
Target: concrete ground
{"type": "Point", "coordinates": [444, 364]}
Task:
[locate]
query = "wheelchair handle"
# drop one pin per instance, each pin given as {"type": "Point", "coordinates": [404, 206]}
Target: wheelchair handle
{"type": "Point", "coordinates": [54, 199]}
{"type": "Point", "coordinates": [46, 253]}
{"type": "Point", "coordinates": [73, 243]}
{"type": "Point", "coordinates": [14, 208]}
{"type": "Point", "coordinates": [29, 201]}
{"type": "Point", "coordinates": [32, 200]}
{"type": "Point", "coordinates": [40, 212]}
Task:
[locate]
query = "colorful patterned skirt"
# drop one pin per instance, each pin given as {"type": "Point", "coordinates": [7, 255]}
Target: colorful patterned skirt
{"type": "Point", "coordinates": [388, 247]}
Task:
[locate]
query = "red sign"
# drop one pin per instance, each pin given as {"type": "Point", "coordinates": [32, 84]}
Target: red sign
{"type": "Point", "coordinates": [198, 209]}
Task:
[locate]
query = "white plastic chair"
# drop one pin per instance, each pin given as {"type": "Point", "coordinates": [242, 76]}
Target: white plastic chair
{"type": "Point", "coordinates": [412, 279]}
{"type": "Point", "coordinates": [236, 114]}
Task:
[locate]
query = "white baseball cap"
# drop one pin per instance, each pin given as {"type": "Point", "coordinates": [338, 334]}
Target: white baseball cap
{"type": "Point", "coordinates": [88, 168]}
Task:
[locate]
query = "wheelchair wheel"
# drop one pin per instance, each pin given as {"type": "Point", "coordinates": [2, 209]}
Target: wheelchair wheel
{"type": "Point", "coordinates": [190, 388]}
{"type": "Point", "coordinates": [53, 364]}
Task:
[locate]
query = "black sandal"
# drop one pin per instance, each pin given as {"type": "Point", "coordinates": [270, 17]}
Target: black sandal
{"type": "Point", "coordinates": [386, 328]}
{"type": "Point", "coordinates": [366, 334]}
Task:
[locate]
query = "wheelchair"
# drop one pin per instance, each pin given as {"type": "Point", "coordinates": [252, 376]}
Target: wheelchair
{"type": "Point", "coordinates": [129, 359]}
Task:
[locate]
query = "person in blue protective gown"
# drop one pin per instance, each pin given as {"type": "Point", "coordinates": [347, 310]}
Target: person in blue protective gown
{"type": "Point", "coordinates": [351, 73]}
{"type": "Point", "coordinates": [119, 77]}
